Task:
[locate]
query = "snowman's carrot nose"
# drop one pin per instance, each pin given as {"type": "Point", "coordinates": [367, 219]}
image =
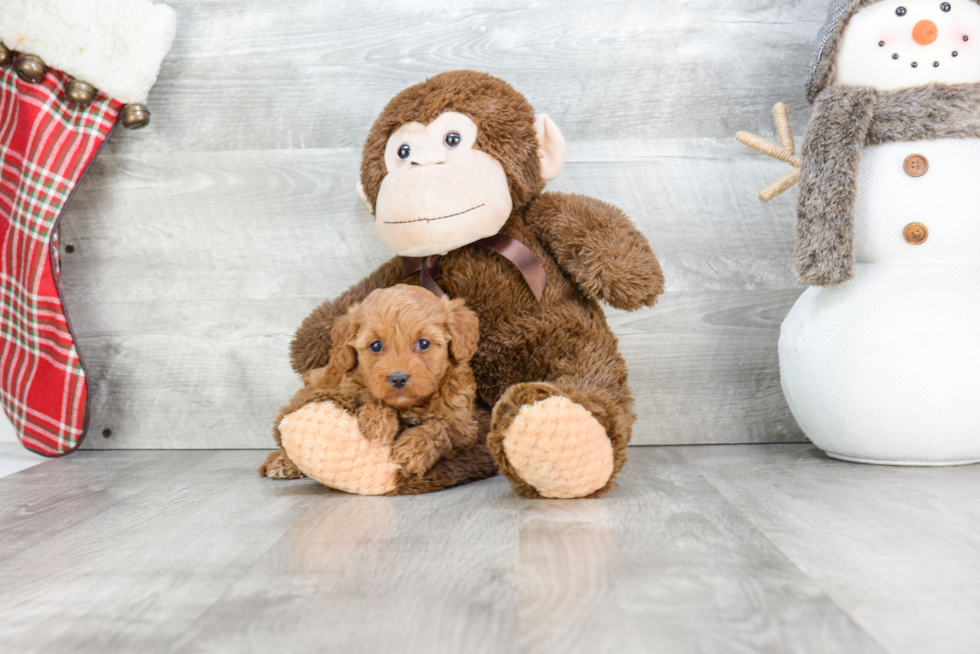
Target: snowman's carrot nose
{"type": "Point", "coordinates": [925, 32]}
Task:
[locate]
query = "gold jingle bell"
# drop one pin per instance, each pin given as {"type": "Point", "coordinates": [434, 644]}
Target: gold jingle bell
{"type": "Point", "coordinates": [30, 68]}
{"type": "Point", "coordinates": [135, 116]}
{"type": "Point", "coordinates": [6, 56]}
{"type": "Point", "coordinates": [80, 93]}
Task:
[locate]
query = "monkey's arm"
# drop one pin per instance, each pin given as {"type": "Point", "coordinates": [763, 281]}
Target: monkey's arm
{"type": "Point", "coordinates": [311, 345]}
{"type": "Point", "coordinates": [600, 249]}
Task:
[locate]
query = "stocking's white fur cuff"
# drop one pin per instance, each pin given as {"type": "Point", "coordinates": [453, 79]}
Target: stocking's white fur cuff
{"type": "Point", "coordinates": [115, 45]}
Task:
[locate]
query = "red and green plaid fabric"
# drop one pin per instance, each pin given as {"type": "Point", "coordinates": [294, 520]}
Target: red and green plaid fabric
{"type": "Point", "coordinates": [46, 145]}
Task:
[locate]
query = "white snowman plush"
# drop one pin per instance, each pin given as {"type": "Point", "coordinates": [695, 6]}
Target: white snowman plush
{"type": "Point", "coordinates": [880, 356]}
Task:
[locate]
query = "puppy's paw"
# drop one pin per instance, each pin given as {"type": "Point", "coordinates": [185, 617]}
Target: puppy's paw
{"type": "Point", "coordinates": [278, 466]}
{"type": "Point", "coordinates": [378, 423]}
{"type": "Point", "coordinates": [415, 452]}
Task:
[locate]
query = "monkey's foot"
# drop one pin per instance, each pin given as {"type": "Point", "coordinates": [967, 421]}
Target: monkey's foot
{"type": "Point", "coordinates": [326, 444]}
{"type": "Point", "coordinates": [552, 447]}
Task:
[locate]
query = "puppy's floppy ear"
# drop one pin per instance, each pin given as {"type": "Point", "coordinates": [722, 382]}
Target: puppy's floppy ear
{"type": "Point", "coordinates": [316, 377]}
{"type": "Point", "coordinates": [464, 329]}
{"type": "Point", "coordinates": [343, 356]}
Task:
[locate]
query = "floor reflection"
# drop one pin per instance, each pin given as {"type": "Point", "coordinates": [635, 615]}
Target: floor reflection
{"type": "Point", "coordinates": [563, 572]}
{"type": "Point", "coordinates": [337, 535]}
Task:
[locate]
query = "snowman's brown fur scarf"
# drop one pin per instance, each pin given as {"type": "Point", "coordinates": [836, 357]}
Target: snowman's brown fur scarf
{"type": "Point", "coordinates": [845, 120]}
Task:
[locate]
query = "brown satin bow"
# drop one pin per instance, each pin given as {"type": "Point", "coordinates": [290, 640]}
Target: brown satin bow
{"type": "Point", "coordinates": [510, 248]}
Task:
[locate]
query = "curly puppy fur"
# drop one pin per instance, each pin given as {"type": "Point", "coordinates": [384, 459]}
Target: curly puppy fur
{"type": "Point", "coordinates": [590, 251]}
{"type": "Point", "coordinates": [424, 418]}
{"type": "Point", "coordinates": [845, 120]}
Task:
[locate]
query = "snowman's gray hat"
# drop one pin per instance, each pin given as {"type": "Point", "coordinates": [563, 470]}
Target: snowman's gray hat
{"type": "Point", "coordinates": [823, 65]}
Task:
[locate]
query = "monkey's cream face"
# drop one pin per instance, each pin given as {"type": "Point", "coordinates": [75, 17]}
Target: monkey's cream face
{"type": "Point", "coordinates": [896, 44]}
{"type": "Point", "coordinates": [440, 193]}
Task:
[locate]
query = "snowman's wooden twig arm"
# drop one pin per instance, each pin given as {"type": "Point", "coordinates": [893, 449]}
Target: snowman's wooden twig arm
{"type": "Point", "coordinates": [785, 151]}
{"type": "Point", "coordinates": [780, 185]}
{"type": "Point", "coordinates": [781, 114]}
{"type": "Point", "coordinates": [765, 147]}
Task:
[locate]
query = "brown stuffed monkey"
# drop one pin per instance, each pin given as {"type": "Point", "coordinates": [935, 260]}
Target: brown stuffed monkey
{"type": "Point", "coordinates": [453, 170]}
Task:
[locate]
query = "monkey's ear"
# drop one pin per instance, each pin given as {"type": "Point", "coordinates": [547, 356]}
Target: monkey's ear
{"type": "Point", "coordinates": [551, 146]}
{"type": "Point", "coordinates": [361, 194]}
{"type": "Point", "coordinates": [343, 356]}
{"type": "Point", "coordinates": [464, 330]}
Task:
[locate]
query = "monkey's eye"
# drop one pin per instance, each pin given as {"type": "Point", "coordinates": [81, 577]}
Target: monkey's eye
{"type": "Point", "coordinates": [404, 151]}
{"type": "Point", "coordinates": [452, 139]}
{"type": "Point", "coordinates": [900, 11]}
{"type": "Point", "coordinates": [944, 6]}
{"type": "Point", "coordinates": [423, 345]}
{"type": "Point", "coordinates": [376, 347]}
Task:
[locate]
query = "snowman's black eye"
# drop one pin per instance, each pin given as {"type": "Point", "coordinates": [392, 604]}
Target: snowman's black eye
{"type": "Point", "coordinates": [955, 53]}
{"type": "Point", "coordinates": [966, 38]}
{"type": "Point", "coordinates": [900, 11]}
{"type": "Point", "coordinates": [452, 139]}
{"type": "Point", "coordinates": [915, 64]}
{"type": "Point", "coordinates": [881, 44]}
{"type": "Point", "coordinates": [404, 151]}
{"type": "Point", "coordinates": [935, 64]}
{"type": "Point", "coordinates": [895, 56]}
{"type": "Point", "coordinates": [945, 6]}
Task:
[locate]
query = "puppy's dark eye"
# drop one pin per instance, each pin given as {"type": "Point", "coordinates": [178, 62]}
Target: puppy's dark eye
{"type": "Point", "coordinates": [376, 347]}
{"type": "Point", "coordinates": [900, 11]}
{"type": "Point", "coordinates": [452, 139]}
{"type": "Point", "coordinates": [404, 151]}
{"type": "Point", "coordinates": [423, 345]}
{"type": "Point", "coordinates": [945, 6]}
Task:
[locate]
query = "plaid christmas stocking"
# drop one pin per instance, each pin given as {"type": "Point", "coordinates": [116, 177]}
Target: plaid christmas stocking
{"type": "Point", "coordinates": [52, 126]}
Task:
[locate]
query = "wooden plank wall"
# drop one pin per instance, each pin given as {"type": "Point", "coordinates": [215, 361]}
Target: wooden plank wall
{"type": "Point", "coordinates": [202, 241]}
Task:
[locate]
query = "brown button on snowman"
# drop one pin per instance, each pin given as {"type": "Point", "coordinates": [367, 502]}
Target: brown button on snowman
{"type": "Point", "coordinates": [888, 237]}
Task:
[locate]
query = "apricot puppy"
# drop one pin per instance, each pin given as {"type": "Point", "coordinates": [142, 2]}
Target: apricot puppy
{"type": "Point", "coordinates": [400, 363]}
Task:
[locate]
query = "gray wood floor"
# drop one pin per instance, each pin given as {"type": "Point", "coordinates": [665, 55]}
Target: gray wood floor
{"type": "Point", "coordinates": [734, 548]}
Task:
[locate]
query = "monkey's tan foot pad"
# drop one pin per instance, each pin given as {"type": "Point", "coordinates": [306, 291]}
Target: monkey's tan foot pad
{"type": "Point", "coordinates": [325, 443]}
{"type": "Point", "coordinates": [556, 446]}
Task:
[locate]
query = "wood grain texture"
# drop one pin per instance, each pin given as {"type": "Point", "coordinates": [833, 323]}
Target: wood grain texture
{"type": "Point", "coordinates": [700, 549]}
{"type": "Point", "coordinates": [305, 74]}
{"type": "Point", "coordinates": [202, 241]}
{"type": "Point", "coordinates": [885, 543]}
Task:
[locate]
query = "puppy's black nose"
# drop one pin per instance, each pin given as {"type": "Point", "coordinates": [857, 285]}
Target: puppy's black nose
{"type": "Point", "coordinates": [398, 379]}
